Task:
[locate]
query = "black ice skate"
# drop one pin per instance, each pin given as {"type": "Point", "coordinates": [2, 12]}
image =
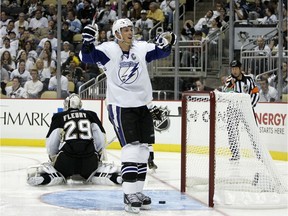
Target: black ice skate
{"type": "Point", "coordinates": [132, 203]}
{"type": "Point", "coordinates": [146, 201]}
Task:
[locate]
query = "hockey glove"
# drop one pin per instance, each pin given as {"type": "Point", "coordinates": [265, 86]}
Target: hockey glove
{"type": "Point", "coordinates": [229, 85]}
{"type": "Point", "coordinates": [156, 113]}
{"type": "Point", "coordinates": [151, 163]}
{"type": "Point", "coordinates": [90, 33]}
{"type": "Point", "coordinates": [165, 40]}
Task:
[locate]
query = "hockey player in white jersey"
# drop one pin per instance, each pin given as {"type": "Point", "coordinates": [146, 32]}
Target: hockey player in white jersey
{"type": "Point", "coordinates": [74, 144]}
{"type": "Point", "coordinates": [129, 96]}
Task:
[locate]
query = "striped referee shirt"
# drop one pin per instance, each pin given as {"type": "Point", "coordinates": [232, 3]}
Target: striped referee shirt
{"type": "Point", "coordinates": [246, 85]}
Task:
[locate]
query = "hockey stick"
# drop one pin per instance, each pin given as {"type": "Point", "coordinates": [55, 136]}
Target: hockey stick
{"type": "Point", "coordinates": [94, 18]}
{"type": "Point", "coordinates": [111, 141]}
{"type": "Point", "coordinates": [104, 153]}
{"type": "Point", "coordinates": [173, 115]}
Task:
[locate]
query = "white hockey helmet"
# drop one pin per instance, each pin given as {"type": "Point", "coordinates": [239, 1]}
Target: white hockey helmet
{"type": "Point", "coordinates": [73, 101]}
{"type": "Point", "coordinates": [121, 23]}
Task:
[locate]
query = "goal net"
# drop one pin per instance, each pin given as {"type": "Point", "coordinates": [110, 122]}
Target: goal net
{"type": "Point", "coordinates": [221, 154]}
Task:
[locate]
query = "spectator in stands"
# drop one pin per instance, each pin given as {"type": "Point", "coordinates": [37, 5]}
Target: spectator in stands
{"type": "Point", "coordinates": [76, 74]}
{"type": "Point", "coordinates": [187, 31]}
{"type": "Point", "coordinates": [273, 79]}
{"type": "Point", "coordinates": [143, 26]}
{"type": "Point", "coordinates": [7, 62]}
{"type": "Point", "coordinates": [41, 33]}
{"type": "Point", "coordinates": [270, 17]}
{"type": "Point", "coordinates": [262, 51]}
{"type": "Point", "coordinates": [215, 26]}
{"type": "Point", "coordinates": [21, 22]}
{"type": "Point", "coordinates": [106, 17]}
{"type": "Point", "coordinates": [218, 8]}
{"type": "Point", "coordinates": [204, 23]}
{"type": "Point", "coordinates": [47, 59]}
{"type": "Point", "coordinates": [201, 87]}
{"type": "Point", "coordinates": [30, 50]}
{"type": "Point", "coordinates": [53, 82]}
{"type": "Point", "coordinates": [74, 57]}
{"type": "Point", "coordinates": [15, 90]}
{"type": "Point", "coordinates": [22, 54]}
{"type": "Point", "coordinates": [68, 7]}
{"type": "Point", "coordinates": [52, 44]}
{"type": "Point", "coordinates": [5, 30]}
{"type": "Point", "coordinates": [65, 53]}
{"type": "Point", "coordinates": [146, 4]}
{"type": "Point", "coordinates": [85, 14]}
{"type": "Point", "coordinates": [155, 13]}
{"type": "Point", "coordinates": [14, 42]}
{"type": "Point", "coordinates": [168, 7]}
{"type": "Point", "coordinates": [7, 46]}
{"type": "Point", "coordinates": [192, 56]}
{"type": "Point", "coordinates": [124, 10]}
{"type": "Point", "coordinates": [66, 33]}
{"type": "Point", "coordinates": [32, 7]}
{"type": "Point", "coordinates": [21, 72]}
{"type": "Point", "coordinates": [34, 86]}
{"type": "Point", "coordinates": [28, 37]}
{"type": "Point", "coordinates": [267, 92]}
{"type": "Point", "coordinates": [44, 73]}
{"type": "Point", "coordinates": [224, 18]}
{"type": "Point", "coordinates": [134, 12]}
{"type": "Point", "coordinates": [4, 19]}
{"type": "Point", "coordinates": [262, 48]}
{"type": "Point", "coordinates": [102, 37]}
{"type": "Point", "coordinates": [223, 79]}
{"type": "Point", "coordinates": [38, 21]}
{"type": "Point", "coordinates": [48, 46]}
{"type": "Point", "coordinates": [239, 12]}
{"type": "Point", "coordinates": [256, 9]}
{"type": "Point", "coordinates": [51, 13]}
{"type": "Point", "coordinates": [75, 24]}
{"type": "Point", "coordinates": [5, 77]}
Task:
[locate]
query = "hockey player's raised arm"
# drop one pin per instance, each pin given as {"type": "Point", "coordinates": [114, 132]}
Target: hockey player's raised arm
{"type": "Point", "coordinates": [88, 53]}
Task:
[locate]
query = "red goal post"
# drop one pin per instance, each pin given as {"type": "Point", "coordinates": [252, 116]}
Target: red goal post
{"type": "Point", "coordinates": [221, 154]}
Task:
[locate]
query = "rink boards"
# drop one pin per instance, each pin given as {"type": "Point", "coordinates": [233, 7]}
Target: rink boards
{"type": "Point", "coordinates": [26, 122]}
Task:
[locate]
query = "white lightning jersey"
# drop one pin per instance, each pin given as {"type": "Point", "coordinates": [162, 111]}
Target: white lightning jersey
{"type": "Point", "coordinates": [128, 82]}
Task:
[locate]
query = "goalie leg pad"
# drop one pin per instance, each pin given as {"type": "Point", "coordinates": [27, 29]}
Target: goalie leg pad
{"type": "Point", "coordinates": [106, 174]}
{"type": "Point", "coordinates": [44, 174]}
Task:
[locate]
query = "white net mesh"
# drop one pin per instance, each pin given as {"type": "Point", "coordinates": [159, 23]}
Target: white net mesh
{"type": "Point", "coordinates": [244, 168]}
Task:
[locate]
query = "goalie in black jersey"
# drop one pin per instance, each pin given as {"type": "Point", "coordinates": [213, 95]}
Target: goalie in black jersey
{"type": "Point", "coordinates": [74, 144]}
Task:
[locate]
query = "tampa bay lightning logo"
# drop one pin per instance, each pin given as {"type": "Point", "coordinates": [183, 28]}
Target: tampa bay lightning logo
{"type": "Point", "coordinates": [128, 72]}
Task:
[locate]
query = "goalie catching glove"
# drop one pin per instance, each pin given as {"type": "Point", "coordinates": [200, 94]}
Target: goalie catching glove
{"type": "Point", "coordinates": [165, 40]}
{"type": "Point", "coordinates": [90, 33]}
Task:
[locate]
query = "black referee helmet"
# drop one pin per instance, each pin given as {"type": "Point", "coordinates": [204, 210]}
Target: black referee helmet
{"type": "Point", "coordinates": [235, 63]}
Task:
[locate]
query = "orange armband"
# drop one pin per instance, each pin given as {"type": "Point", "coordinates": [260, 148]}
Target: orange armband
{"type": "Point", "coordinates": [255, 90]}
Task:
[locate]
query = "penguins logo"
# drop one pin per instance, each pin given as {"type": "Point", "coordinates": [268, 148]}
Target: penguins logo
{"type": "Point", "coordinates": [163, 124]}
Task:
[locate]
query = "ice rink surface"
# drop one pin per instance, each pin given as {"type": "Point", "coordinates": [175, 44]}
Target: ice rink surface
{"type": "Point", "coordinates": [19, 199]}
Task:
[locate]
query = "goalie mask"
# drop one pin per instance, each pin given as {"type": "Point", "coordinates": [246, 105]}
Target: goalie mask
{"type": "Point", "coordinates": [73, 101]}
{"type": "Point", "coordinates": [119, 24]}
